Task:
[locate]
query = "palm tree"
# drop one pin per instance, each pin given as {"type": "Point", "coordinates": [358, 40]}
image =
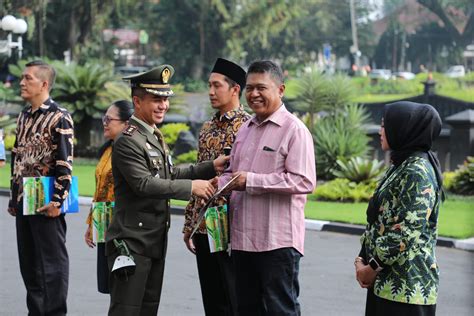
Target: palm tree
{"type": "Point", "coordinates": [86, 91]}
{"type": "Point", "coordinates": [312, 94]}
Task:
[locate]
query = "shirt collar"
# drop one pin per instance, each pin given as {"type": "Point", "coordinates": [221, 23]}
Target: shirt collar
{"type": "Point", "coordinates": [147, 127]}
{"type": "Point", "coordinates": [43, 107]}
{"type": "Point", "coordinates": [277, 117]}
{"type": "Point", "coordinates": [229, 115]}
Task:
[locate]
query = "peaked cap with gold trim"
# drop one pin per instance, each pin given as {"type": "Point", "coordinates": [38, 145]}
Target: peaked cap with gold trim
{"type": "Point", "coordinates": [155, 81]}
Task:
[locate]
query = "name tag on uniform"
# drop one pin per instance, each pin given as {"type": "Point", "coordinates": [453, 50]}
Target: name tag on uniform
{"type": "Point", "coordinates": [153, 153]}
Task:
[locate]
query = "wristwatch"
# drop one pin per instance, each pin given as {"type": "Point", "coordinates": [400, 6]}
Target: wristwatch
{"type": "Point", "coordinates": [375, 265]}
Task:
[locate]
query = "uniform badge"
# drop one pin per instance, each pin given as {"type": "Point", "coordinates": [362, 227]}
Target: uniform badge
{"type": "Point", "coordinates": [165, 75]}
{"type": "Point", "coordinates": [153, 153]}
{"type": "Point", "coordinates": [148, 145]}
{"type": "Point", "coordinates": [129, 130]}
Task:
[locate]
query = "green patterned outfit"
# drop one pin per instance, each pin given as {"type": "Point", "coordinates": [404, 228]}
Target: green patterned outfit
{"type": "Point", "coordinates": [403, 237]}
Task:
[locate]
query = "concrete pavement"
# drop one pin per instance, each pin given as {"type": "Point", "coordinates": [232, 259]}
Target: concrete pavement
{"type": "Point", "coordinates": [327, 279]}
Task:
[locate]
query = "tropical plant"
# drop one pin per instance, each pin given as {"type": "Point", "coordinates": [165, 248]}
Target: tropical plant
{"type": "Point", "coordinates": [340, 135]}
{"type": "Point", "coordinates": [340, 91]}
{"type": "Point", "coordinates": [463, 181]}
{"type": "Point", "coordinates": [9, 141]}
{"type": "Point", "coordinates": [343, 190]}
{"type": "Point", "coordinates": [189, 157]}
{"type": "Point", "coordinates": [312, 94]}
{"type": "Point", "coordinates": [316, 92]}
{"type": "Point", "coordinates": [82, 89]}
{"type": "Point", "coordinates": [171, 132]}
{"type": "Point", "coordinates": [9, 93]}
{"type": "Point", "coordinates": [358, 169]}
{"type": "Point", "coordinates": [7, 123]}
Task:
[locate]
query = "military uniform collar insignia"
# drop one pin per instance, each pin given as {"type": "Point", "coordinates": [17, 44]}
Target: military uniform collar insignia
{"type": "Point", "coordinates": [130, 129]}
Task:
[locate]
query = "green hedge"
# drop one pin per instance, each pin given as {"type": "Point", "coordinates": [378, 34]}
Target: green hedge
{"type": "Point", "coordinates": [343, 190]}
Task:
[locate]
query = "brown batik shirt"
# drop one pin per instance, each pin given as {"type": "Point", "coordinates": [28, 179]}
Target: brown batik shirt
{"type": "Point", "coordinates": [215, 134]}
{"type": "Point", "coordinates": [43, 147]}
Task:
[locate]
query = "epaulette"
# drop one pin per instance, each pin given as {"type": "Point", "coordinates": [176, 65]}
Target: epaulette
{"type": "Point", "coordinates": [129, 130]}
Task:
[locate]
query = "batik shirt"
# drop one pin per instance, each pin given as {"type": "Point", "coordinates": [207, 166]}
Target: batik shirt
{"type": "Point", "coordinates": [215, 134]}
{"type": "Point", "coordinates": [403, 237]}
{"type": "Point", "coordinates": [43, 147]}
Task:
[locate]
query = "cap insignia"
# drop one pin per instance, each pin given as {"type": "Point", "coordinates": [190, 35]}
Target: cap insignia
{"type": "Point", "coordinates": [165, 75]}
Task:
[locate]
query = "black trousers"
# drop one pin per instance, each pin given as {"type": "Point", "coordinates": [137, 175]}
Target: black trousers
{"type": "Point", "coordinates": [216, 276]}
{"type": "Point", "coordinates": [138, 294]}
{"type": "Point", "coordinates": [102, 269]}
{"type": "Point", "coordinates": [44, 263]}
{"type": "Point", "coordinates": [376, 306]}
{"type": "Point", "coordinates": [267, 282]}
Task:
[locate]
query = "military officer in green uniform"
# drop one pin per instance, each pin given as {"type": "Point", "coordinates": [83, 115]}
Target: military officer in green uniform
{"type": "Point", "coordinates": [145, 180]}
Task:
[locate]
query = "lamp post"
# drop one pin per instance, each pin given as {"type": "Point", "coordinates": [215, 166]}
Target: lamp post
{"type": "Point", "coordinates": [12, 25]}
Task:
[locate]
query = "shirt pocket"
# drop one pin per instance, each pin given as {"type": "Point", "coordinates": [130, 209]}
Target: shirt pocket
{"type": "Point", "coordinates": [141, 220]}
{"type": "Point", "coordinates": [268, 162]}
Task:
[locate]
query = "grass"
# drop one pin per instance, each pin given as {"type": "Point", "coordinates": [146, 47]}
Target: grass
{"type": "Point", "coordinates": [375, 98]}
{"type": "Point", "coordinates": [456, 217]}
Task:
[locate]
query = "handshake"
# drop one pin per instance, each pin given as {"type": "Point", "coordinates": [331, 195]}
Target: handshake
{"type": "Point", "coordinates": [205, 189]}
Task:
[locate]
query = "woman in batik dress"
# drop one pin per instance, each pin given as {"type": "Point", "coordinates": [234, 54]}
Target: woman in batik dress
{"type": "Point", "coordinates": [114, 121]}
{"type": "Point", "coordinates": [397, 262]}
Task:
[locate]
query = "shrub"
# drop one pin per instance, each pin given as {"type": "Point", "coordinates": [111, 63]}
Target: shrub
{"type": "Point", "coordinates": [171, 131]}
{"type": "Point", "coordinates": [340, 135]}
{"type": "Point", "coordinates": [9, 141]}
{"type": "Point", "coordinates": [189, 157]}
{"type": "Point", "coordinates": [359, 170]}
{"type": "Point", "coordinates": [343, 190]}
{"type": "Point", "coordinates": [463, 180]}
{"type": "Point", "coordinates": [448, 180]}
{"type": "Point", "coordinates": [192, 85]}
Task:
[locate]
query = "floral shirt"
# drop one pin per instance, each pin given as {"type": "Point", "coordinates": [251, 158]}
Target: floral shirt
{"type": "Point", "coordinates": [43, 147]}
{"type": "Point", "coordinates": [403, 237]}
{"type": "Point", "coordinates": [215, 134]}
{"type": "Point", "coordinates": [104, 181]}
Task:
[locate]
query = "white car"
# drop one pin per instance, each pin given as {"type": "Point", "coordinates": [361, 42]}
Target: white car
{"type": "Point", "coordinates": [406, 75]}
{"type": "Point", "coordinates": [380, 74]}
{"type": "Point", "coordinates": [456, 71]}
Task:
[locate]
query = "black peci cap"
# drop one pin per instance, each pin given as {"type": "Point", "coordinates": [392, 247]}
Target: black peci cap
{"type": "Point", "coordinates": [231, 70]}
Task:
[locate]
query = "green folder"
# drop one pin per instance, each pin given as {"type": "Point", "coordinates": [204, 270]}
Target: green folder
{"type": "Point", "coordinates": [101, 218]}
{"type": "Point", "coordinates": [217, 225]}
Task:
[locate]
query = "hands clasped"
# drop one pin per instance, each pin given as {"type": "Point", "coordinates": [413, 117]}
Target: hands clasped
{"type": "Point", "coordinates": [365, 275]}
{"type": "Point", "coordinates": [220, 163]}
{"type": "Point", "coordinates": [203, 188]}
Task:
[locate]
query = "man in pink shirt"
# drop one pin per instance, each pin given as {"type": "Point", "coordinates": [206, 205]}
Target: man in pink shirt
{"type": "Point", "coordinates": [273, 155]}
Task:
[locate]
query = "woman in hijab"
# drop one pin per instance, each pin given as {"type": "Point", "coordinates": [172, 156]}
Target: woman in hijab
{"type": "Point", "coordinates": [114, 121]}
{"type": "Point", "coordinates": [397, 262]}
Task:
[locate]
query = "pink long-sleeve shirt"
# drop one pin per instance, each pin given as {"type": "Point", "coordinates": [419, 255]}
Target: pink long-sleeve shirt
{"type": "Point", "coordinates": [278, 156]}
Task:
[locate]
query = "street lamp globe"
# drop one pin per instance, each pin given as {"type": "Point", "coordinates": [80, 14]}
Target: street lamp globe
{"type": "Point", "coordinates": [20, 27]}
{"type": "Point", "coordinates": [8, 23]}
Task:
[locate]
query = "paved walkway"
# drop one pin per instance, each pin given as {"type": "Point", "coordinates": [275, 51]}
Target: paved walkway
{"type": "Point", "coordinates": [327, 279]}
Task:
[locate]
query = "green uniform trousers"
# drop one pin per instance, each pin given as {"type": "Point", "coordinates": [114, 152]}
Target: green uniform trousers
{"type": "Point", "coordinates": [139, 294]}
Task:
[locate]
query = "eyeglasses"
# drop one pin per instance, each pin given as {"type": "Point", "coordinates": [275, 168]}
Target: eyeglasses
{"type": "Point", "coordinates": [107, 119]}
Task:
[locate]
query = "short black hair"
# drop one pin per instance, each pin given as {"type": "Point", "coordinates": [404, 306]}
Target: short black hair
{"type": "Point", "coordinates": [138, 92]}
{"type": "Point", "coordinates": [232, 84]}
{"type": "Point", "coordinates": [267, 66]}
{"type": "Point", "coordinates": [47, 72]}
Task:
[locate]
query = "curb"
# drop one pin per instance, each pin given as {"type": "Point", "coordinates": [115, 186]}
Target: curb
{"type": "Point", "coordinates": [319, 225]}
